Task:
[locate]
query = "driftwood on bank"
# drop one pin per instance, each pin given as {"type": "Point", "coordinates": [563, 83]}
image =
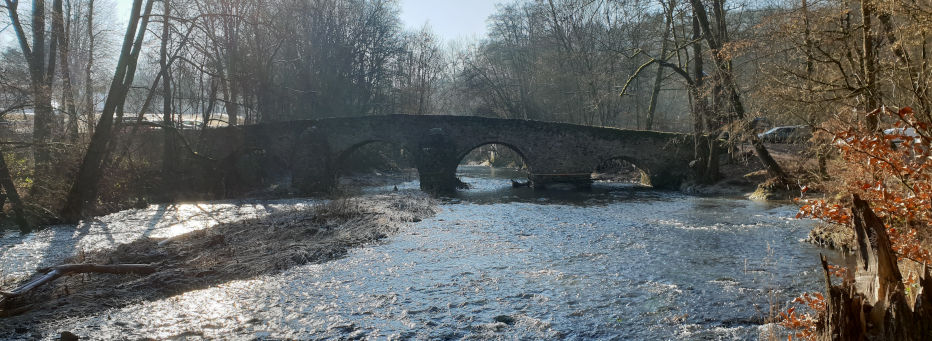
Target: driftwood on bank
{"type": "Point", "coordinates": [50, 274]}
{"type": "Point", "coordinates": [873, 303]}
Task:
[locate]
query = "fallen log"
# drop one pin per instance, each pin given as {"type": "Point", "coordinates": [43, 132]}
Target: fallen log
{"type": "Point", "coordinates": [52, 273]}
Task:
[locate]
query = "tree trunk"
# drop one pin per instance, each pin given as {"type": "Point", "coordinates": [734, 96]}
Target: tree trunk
{"type": "Point", "coordinates": [169, 150]}
{"type": "Point", "coordinates": [88, 82]}
{"type": "Point", "coordinates": [41, 71]}
{"type": "Point", "coordinates": [714, 121]}
{"type": "Point", "coordinates": [50, 274]}
{"type": "Point", "coordinates": [67, 89]}
{"type": "Point", "coordinates": [41, 80]}
{"type": "Point", "coordinates": [727, 81]}
{"type": "Point", "coordinates": [712, 167]}
{"type": "Point", "coordinates": [230, 102]}
{"type": "Point", "coordinates": [6, 181]}
{"type": "Point", "coordinates": [700, 112]}
{"type": "Point", "coordinates": [42, 135]}
{"type": "Point", "coordinates": [658, 79]}
{"type": "Point", "coordinates": [83, 192]}
{"type": "Point", "coordinates": [870, 70]}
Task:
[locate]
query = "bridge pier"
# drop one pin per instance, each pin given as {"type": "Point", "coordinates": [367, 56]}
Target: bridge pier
{"type": "Point", "coordinates": [313, 169]}
{"type": "Point", "coordinates": [436, 160]}
{"type": "Point", "coordinates": [438, 181]}
{"type": "Point", "coordinates": [663, 179]}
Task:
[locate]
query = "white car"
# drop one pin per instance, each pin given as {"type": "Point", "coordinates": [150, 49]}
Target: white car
{"type": "Point", "coordinates": [786, 134]}
{"type": "Point", "coordinates": [908, 132]}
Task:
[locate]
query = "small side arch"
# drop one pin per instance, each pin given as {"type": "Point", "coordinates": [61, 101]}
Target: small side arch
{"type": "Point", "coordinates": [379, 151]}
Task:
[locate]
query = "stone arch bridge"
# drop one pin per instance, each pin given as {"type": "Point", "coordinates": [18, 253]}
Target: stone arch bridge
{"type": "Point", "coordinates": [309, 152]}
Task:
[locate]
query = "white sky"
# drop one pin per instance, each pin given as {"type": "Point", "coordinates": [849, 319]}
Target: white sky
{"type": "Point", "coordinates": [449, 19]}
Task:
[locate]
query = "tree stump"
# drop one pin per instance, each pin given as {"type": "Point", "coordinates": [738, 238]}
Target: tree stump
{"type": "Point", "coordinates": [871, 303]}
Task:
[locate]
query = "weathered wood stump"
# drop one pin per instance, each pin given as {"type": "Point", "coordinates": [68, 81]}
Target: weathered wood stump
{"type": "Point", "coordinates": [872, 302]}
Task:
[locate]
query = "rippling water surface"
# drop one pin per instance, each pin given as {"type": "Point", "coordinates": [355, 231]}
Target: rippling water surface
{"type": "Point", "coordinates": [616, 262]}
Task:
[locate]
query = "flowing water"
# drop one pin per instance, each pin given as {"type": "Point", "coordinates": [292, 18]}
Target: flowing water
{"type": "Point", "coordinates": [615, 262]}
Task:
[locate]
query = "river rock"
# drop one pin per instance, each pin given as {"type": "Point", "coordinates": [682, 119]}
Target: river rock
{"type": "Point", "coordinates": [505, 319]}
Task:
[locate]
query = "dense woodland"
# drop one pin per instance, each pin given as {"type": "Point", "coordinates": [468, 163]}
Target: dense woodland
{"type": "Point", "coordinates": [688, 66]}
{"type": "Point", "coordinates": [76, 85]}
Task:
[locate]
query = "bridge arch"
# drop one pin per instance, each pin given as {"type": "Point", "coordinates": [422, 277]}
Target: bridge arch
{"type": "Point", "coordinates": [523, 158]}
{"type": "Point", "coordinates": [618, 163]}
{"type": "Point", "coordinates": [375, 150]}
{"type": "Point", "coordinates": [343, 155]}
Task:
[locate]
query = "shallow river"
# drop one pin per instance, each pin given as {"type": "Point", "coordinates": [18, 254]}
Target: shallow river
{"type": "Point", "coordinates": [616, 262]}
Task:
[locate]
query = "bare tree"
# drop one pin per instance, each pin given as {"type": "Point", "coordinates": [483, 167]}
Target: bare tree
{"type": "Point", "coordinates": [84, 191]}
{"type": "Point", "coordinates": [63, 35]}
{"type": "Point", "coordinates": [169, 148]}
{"type": "Point", "coordinates": [730, 96]}
{"type": "Point", "coordinates": [418, 71]}
{"type": "Point", "coordinates": [13, 96]}
{"type": "Point", "coordinates": [658, 78]}
{"type": "Point", "coordinates": [40, 57]}
{"type": "Point", "coordinates": [89, 106]}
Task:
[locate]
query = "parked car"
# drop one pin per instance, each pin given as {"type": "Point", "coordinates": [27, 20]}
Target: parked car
{"type": "Point", "coordinates": [188, 125]}
{"type": "Point", "coordinates": [130, 120]}
{"type": "Point", "coordinates": [902, 132]}
{"type": "Point", "coordinates": [786, 134]}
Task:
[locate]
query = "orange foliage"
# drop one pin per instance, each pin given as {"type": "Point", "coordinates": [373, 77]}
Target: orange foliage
{"type": "Point", "coordinates": [803, 325]}
{"type": "Point", "coordinates": [837, 271]}
{"type": "Point", "coordinates": [892, 170]}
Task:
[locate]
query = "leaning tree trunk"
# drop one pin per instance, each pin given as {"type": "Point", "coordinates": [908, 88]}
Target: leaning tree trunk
{"type": "Point", "coordinates": [52, 273]}
{"type": "Point", "coordinates": [9, 188]}
{"type": "Point", "coordinates": [699, 110]}
{"type": "Point", "coordinates": [658, 77]}
{"type": "Point", "coordinates": [716, 41]}
{"type": "Point", "coordinates": [83, 192]}
{"type": "Point", "coordinates": [873, 302]}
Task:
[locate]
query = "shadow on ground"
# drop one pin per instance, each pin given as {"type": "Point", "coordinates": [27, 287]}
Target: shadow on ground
{"type": "Point", "coordinates": [226, 252]}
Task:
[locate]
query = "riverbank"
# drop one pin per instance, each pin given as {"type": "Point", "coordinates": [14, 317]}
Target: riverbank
{"type": "Point", "coordinates": [742, 175]}
{"type": "Point", "coordinates": [833, 236]}
{"type": "Point", "coordinates": [359, 180]}
{"type": "Point", "coordinates": [228, 251]}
